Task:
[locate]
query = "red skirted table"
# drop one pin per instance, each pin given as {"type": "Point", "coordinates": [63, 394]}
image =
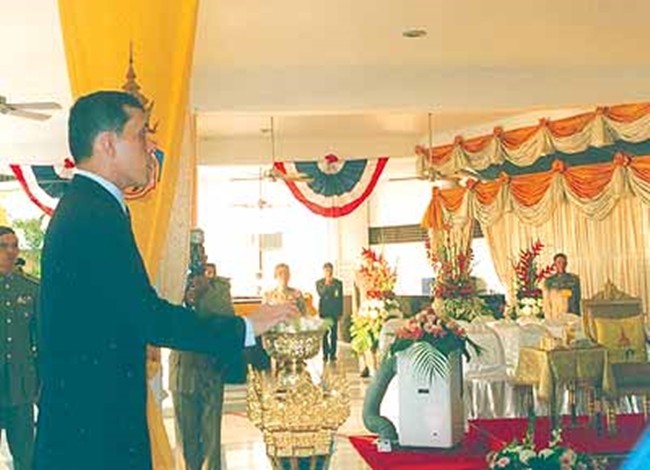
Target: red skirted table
{"type": "Point", "coordinates": [485, 436]}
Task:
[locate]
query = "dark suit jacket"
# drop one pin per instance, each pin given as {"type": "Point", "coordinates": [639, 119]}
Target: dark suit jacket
{"type": "Point", "coordinates": [98, 313]}
{"type": "Point", "coordinates": [330, 303]}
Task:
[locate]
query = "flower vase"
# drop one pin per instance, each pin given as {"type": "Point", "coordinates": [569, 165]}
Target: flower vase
{"type": "Point", "coordinates": [431, 409]}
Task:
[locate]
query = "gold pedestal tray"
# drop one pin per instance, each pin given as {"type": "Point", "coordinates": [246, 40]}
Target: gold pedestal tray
{"type": "Point", "coordinates": [298, 417]}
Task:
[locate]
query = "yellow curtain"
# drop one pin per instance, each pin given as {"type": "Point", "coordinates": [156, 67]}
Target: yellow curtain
{"type": "Point", "coordinates": [96, 36]}
{"type": "Point", "coordinates": [598, 250]}
{"type": "Point", "coordinates": [176, 254]}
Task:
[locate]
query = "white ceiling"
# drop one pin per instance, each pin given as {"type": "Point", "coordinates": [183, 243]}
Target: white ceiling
{"type": "Point", "coordinates": [343, 79]}
{"type": "Point", "coordinates": [339, 55]}
{"type": "Point", "coordinates": [339, 76]}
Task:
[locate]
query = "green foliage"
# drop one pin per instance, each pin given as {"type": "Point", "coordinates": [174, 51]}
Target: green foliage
{"type": "Point", "coordinates": [523, 455]}
{"type": "Point", "coordinates": [364, 332]}
{"type": "Point", "coordinates": [34, 235]}
{"type": "Point", "coordinates": [427, 360]}
{"type": "Point", "coordinates": [33, 231]}
{"type": "Point", "coordinates": [465, 308]}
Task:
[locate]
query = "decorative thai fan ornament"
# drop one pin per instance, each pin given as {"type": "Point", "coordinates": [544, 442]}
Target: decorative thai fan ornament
{"type": "Point", "coordinates": [336, 187]}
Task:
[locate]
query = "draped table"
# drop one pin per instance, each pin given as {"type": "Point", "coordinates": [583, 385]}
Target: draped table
{"type": "Point", "coordinates": [546, 369]}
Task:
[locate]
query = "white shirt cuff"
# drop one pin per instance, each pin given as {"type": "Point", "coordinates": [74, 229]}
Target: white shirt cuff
{"type": "Point", "coordinates": [249, 337]}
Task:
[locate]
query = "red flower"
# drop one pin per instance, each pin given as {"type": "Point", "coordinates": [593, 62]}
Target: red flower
{"type": "Point", "coordinates": [377, 278]}
{"type": "Point", "coordinates": [410, 332]}
{"type": "Point", "coordinates": [527, 275]}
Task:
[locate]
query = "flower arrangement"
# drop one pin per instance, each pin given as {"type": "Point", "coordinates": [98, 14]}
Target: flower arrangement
{"type": "Point", "coordinates": [376, 276]}
{"type": "Point", "coordinates": [522, 455]}
{"type": "Point", "coordinates": [430, 338]}
{"type": "Point", "coordinates": [377, 279]}
{"type": "Point", "coordinates": [527, 279]}
{"type": "Point", "coordinates": [454, 289]}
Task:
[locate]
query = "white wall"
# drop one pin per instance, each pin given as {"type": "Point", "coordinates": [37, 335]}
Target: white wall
{"type": "Point", "coordinates": [308, 240]}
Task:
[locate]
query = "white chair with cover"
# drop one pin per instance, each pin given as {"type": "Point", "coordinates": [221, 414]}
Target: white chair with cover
{"type": "Point", "coordinates": [531, 337]}
{"type": "Point", "coordinates": [482, 319]}
{"type": "Point", "coordinates": [532, 334]}
{"type": "Point", "coordinates": [510, 335]}
{"type": "Point", "coordinates": [487, 392]}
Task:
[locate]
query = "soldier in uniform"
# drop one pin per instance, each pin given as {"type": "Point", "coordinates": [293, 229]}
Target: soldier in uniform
{"type": "Point", "coordinates": [330, 306]}
{"type": "Point", "coordinates": [566, 283]}
{"type": "Point", "coordinates": [18, 373]}
{"type": "Point", "coordinates": [197, 381]}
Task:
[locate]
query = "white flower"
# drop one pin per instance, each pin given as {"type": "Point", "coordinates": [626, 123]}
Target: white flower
{"type": "Point", "coordinates": [299, 324]}
{"type": "Point", "coordinates": [526, 454]}
{"type": "Point", "coordinates": [374, 308]}
{"type": "Point", "coordinates": [526, 311]}
{"type": "Point", "coordinates": [568, 457]}
{"type": "Point", "coordinates": [546, 453]}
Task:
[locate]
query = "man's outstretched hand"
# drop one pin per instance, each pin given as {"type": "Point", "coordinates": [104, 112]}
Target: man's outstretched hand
{"type": "Point", "coordinates": [270, 315]}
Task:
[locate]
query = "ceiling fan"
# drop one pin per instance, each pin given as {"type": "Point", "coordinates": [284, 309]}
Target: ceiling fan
{"type": "Point", "coordinates": [272, 173]}
{"type": "Point", "coordinates": [24, 110]}
{"type": "Point", "coordinates": [260, 203]}
{"type": "Point", "coordinates": [426, 172]}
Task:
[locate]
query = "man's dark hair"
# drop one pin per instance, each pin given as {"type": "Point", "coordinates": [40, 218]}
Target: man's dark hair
{"type": "Point", "coordinates": [98, 112]}
{"type": "Point", "coordinates": [4, 230]}
{"type": "Point", "coordinates": [560, 255]}
{"type": "Point", "coordinates": [328, 265]}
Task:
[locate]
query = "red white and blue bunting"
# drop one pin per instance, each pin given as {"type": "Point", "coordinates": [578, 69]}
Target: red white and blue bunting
{"type": "Point", "coordinates": [337, 187]}
{"type": "Point", "coordinates": [45, 184]}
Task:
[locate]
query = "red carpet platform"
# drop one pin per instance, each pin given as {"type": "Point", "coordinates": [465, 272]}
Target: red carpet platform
{"type": "Point", "coordinates": [488, 435]}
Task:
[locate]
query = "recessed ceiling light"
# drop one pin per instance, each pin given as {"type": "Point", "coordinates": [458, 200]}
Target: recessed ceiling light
{"type": "Point", "coordinates": [414, 33]}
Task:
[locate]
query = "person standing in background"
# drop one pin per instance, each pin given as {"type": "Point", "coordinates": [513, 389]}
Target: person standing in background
{"type": "Point", "coordinates": [283, 293]}
{"type": "Point", "coordinates": [19, 382]}
{"type": "Point", "coordinates": [330, 306]}
{"type": "Point", "coordinates": [197, 380]}
{"type": "Point", "coordinates": [563, 291]}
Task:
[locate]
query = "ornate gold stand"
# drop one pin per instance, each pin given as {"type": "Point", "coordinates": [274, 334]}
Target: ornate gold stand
{"type": "Point", "coordinates": [297, 417]}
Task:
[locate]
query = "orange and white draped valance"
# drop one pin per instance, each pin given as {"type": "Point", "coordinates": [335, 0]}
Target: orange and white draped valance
{"type": "Point", "coordinates": [593, 189]}
{"type": "Point", "coordinates": [522, 147]}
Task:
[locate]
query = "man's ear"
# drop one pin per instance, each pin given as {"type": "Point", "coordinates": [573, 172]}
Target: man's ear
{"type": "Point", "coordinates": [104, 144]}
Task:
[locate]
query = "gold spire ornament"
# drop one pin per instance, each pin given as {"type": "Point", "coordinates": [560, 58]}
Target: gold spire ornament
{"type": "Point", "coordinates": [132, 87]}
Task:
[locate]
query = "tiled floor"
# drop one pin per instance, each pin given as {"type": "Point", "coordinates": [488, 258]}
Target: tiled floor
{"type": "Point", "coordinates": [243, 448]}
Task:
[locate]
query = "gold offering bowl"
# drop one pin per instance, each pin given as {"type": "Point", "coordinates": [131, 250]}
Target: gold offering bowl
{"type": "Point", "coordinates": [293, 346]}
{"type": "Point", "coordinates": [290, 350]}
{"type": "Point", "coordinates": [297, 417]}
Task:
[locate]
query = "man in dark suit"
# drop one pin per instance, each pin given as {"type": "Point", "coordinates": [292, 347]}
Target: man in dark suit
{"type": "Point", "coordinates": [98, 309]}
{"type": "Point", "coordinates": [330, 306]}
